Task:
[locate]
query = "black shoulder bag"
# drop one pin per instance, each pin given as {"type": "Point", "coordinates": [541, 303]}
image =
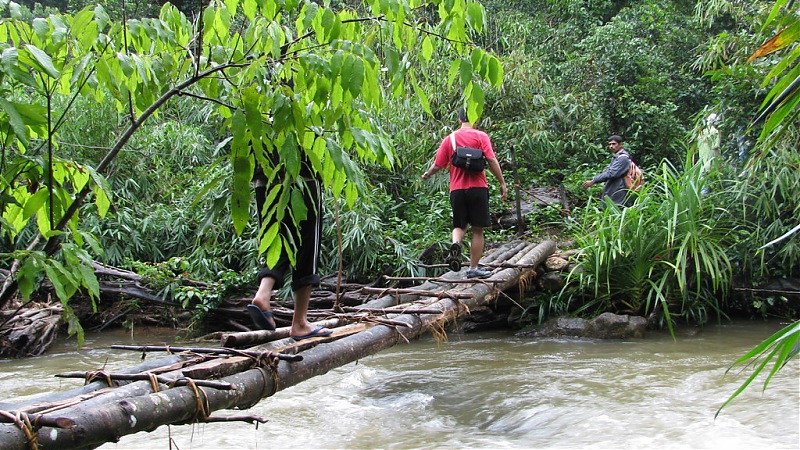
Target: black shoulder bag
{"type": "Point", "coordinates": [467, 158]}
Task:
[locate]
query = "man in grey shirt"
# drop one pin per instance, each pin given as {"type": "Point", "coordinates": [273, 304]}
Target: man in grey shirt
{"type": "Point", "coordinates": [614, 175]}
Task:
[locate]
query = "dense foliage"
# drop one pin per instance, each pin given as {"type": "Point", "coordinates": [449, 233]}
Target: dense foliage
{"type": "Point", "coordinates": [573, 72]}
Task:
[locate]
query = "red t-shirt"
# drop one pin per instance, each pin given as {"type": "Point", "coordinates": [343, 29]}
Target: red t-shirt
{"type": "Point", "coordinates": [462, 178]}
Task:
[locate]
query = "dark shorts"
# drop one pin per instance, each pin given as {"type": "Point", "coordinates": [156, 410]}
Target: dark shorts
{"type": "Point", "coordinates": [470, 206]}
{"type": "Point", "coordinates": [305, 236]}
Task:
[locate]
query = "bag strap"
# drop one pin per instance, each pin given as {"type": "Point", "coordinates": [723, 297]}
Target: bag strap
{"type": "Point", "coordinates": [629, 159]}
{"type": "Point", "coordinates": [453, 141]}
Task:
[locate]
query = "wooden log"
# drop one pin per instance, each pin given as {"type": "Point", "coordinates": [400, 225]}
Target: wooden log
{"type": "Point", "coordinates": [242, 339]}
{"type": "Point", "coordinates": [396, 310]}
{"type": "Point", "coordinates": [110, 377]}
{"type": "Point", "coordinates": [420, 292]}
{"type": "Point", "coordinates": [83, 393]}
{"type": "Point", "coordinates": [21, 419]}
{"type": "Point", "coordinates": [98, 424]}
{"type": "Point", "coordinates": [216, 351]}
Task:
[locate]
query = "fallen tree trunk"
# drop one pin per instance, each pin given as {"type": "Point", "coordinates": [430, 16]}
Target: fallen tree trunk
{"type": "Point", "coordinates": [29, 330]}
{"type": "Point", "coordinates": [98, 422]}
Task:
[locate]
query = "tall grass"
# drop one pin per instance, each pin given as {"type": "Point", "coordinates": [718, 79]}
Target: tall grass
{"type": "Point", "coordinates": [664, 255]}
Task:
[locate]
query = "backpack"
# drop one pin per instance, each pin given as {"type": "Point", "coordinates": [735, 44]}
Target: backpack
{"type": "Point", "coordinates": [634, 178]}
{"type": "Point", "coordinates": [471, 159]}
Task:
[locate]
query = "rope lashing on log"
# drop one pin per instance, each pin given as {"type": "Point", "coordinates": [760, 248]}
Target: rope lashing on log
{"type": "Point", "coordinates": [393, 310]}
{"type": "Point", "coordinates": [220, 351]}
{"type": "Point", "coordinates": [357, 317]}
{"type": "Point", "coordinates": [275, 379]}
{"type": "Point", "coordinates": [20, 419]}
{"type": "Point", "coordinates": [203, 406]}
{"type": "Point", "coordinates": [445, 280]}
{"type": "Point", "coordinates": [93, 375]}
{"type": "Point", "coordinates": [147, 376]}
{"type": "Point", "coordinates": [424, 292]}
{"type": "Point", "coordinates": [153, 381]}
{"type": "Point", "coordinates": [272, 364]}
{"type": "Point", "coordinates": [36, 420]}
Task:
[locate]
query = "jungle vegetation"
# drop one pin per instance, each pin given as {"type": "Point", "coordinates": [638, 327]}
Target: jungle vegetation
{"type": "Point", "coordinates": [131, 145]}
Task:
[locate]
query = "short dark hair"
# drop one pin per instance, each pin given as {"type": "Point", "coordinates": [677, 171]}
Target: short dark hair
{"type": "Point", "coordinates": [462, 115]}
{"type": "Point", "coordinates": [615, 138]}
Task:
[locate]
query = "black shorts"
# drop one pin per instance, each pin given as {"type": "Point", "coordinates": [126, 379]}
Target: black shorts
{"type": "Point", "coordinates": [305, 236]}
{"type": "Point", "coordinates": [470, 206]}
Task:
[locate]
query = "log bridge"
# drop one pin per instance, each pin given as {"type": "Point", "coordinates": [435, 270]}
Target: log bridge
{"type": "Point", "coordinates": [188, 384]}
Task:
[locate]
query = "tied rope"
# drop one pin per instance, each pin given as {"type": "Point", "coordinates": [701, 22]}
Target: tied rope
{"type": "Point", "coordinates": [153, 381]}
{"type": "Point", "coordinates": [91, 376]}
{"type": "Point", "coordinates": [201, 399]}
{"type": "Point", "coordinates": [21, 420]}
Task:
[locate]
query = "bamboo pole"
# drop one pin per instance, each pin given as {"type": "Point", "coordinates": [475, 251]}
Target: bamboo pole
{"type": "Point", "coordinates": [97, 423]}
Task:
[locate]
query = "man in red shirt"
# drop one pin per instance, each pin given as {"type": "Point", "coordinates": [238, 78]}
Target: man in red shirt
{"type": "Point", "coordinates": [469, 192]}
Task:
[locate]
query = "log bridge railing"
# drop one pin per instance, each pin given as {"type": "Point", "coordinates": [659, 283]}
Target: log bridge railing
{"type": "Point", "coordinates": [188, 384]}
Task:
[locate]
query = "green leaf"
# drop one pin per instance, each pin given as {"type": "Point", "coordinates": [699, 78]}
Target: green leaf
{"type": "Point", "coordinates": [427, 48]}
{"type": "Point", "coordinates": [272, 242]}
{"type": "Point", "coordinates": [26, 277]}
{"type": "Point", "coordinates": [353, 75]}
{"type": "Point", "coordinates": [41, 27]}
{"type": "Point", "coordinates": [125, 64]}
{"type": "Point", "coordinates": [15, 120]}
{"type": "Point", "coordinates": [43, 61]}
{"type": "Point", "coordinates": [35, 204]}
{"type": "Point", "coordinates": [298, 204]}
{"type": "Point", "coordinates": [465, 72]}
{"type": "Point", "coordinates": [240, 197]}
{"type": "Point", "coordinates": [495, 71]}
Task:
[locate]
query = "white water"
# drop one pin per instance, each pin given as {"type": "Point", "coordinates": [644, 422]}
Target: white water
{"type": "Point", "coordinates": [493, 390]}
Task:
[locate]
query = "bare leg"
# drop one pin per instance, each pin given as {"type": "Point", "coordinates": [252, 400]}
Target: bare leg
{"type": "Point", "coordinates": [264, 294]}
{"type": "Point", "coordinates": [300, 325]}
{"type": "Point", "coordinates": [476, 247]}
{"type": "Point", "coordinates": [458, 234]}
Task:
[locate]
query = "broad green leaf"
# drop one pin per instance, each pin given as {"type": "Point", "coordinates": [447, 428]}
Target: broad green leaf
{"type": "Point", "coordinates": [250, 8]}
{"type": "Point", "coordinates": [268, 240]}
{"type": "Point", "coordinates": [232, 5]}
{"type": "Point", "coordinates": [35, 203]}
{"type": "Point", "coordinates": [427, 48]}
{"type": "Point", "coordinates": [43, 62]}
{"type": "Point", "coordinates": [350, 195]}
{"type": "Point", "coordinates": [495, 71]}
{"type": "Point", "coordinates": [84, 27]}
{"type": "Point", "coordinates": [27, 278]}
{"type": "Point", "coordinates": [465, 72]}
{"type": "Point", "coordinates": [101, 17]}
{"type": "Point", "coordinates": [41, 27]}
{"type": "Point", "coordinates": [453, 72]}
{"type": "Point", "coordinates": [422, 97]}
{"type": "Point", "coordinates": [477, 99]}
{"type": "Point", "coordinates": [290, 155]}
{"type": "Point", "coordinates": [60, 29]}
{"type": "Point", "coordinates": [307, 16]}
{"type": "Point", "coordinates": [125, 64]}
{"type": "Point", "coordinates": [15, 119]}
{"type": "Point", "coordinates": [252, 114]}
{"type": "Point", "coordinates": [73, 325]}
{"type": "Point", "coordinates": [101, 201]}
{"type": "Point", "coordinates": [298, 204]}
{"type": "Point", "coordinates": [59, 278]}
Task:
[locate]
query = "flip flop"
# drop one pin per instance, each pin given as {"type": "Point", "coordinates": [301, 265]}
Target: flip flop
{"type": "Point", "coordinates": [313, 334]}
{"type": "Point", "coordinates": [261, 317]}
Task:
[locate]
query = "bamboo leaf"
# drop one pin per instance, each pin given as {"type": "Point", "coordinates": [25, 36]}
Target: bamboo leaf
{"type": "Point", "coordinates": [777, 42]}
